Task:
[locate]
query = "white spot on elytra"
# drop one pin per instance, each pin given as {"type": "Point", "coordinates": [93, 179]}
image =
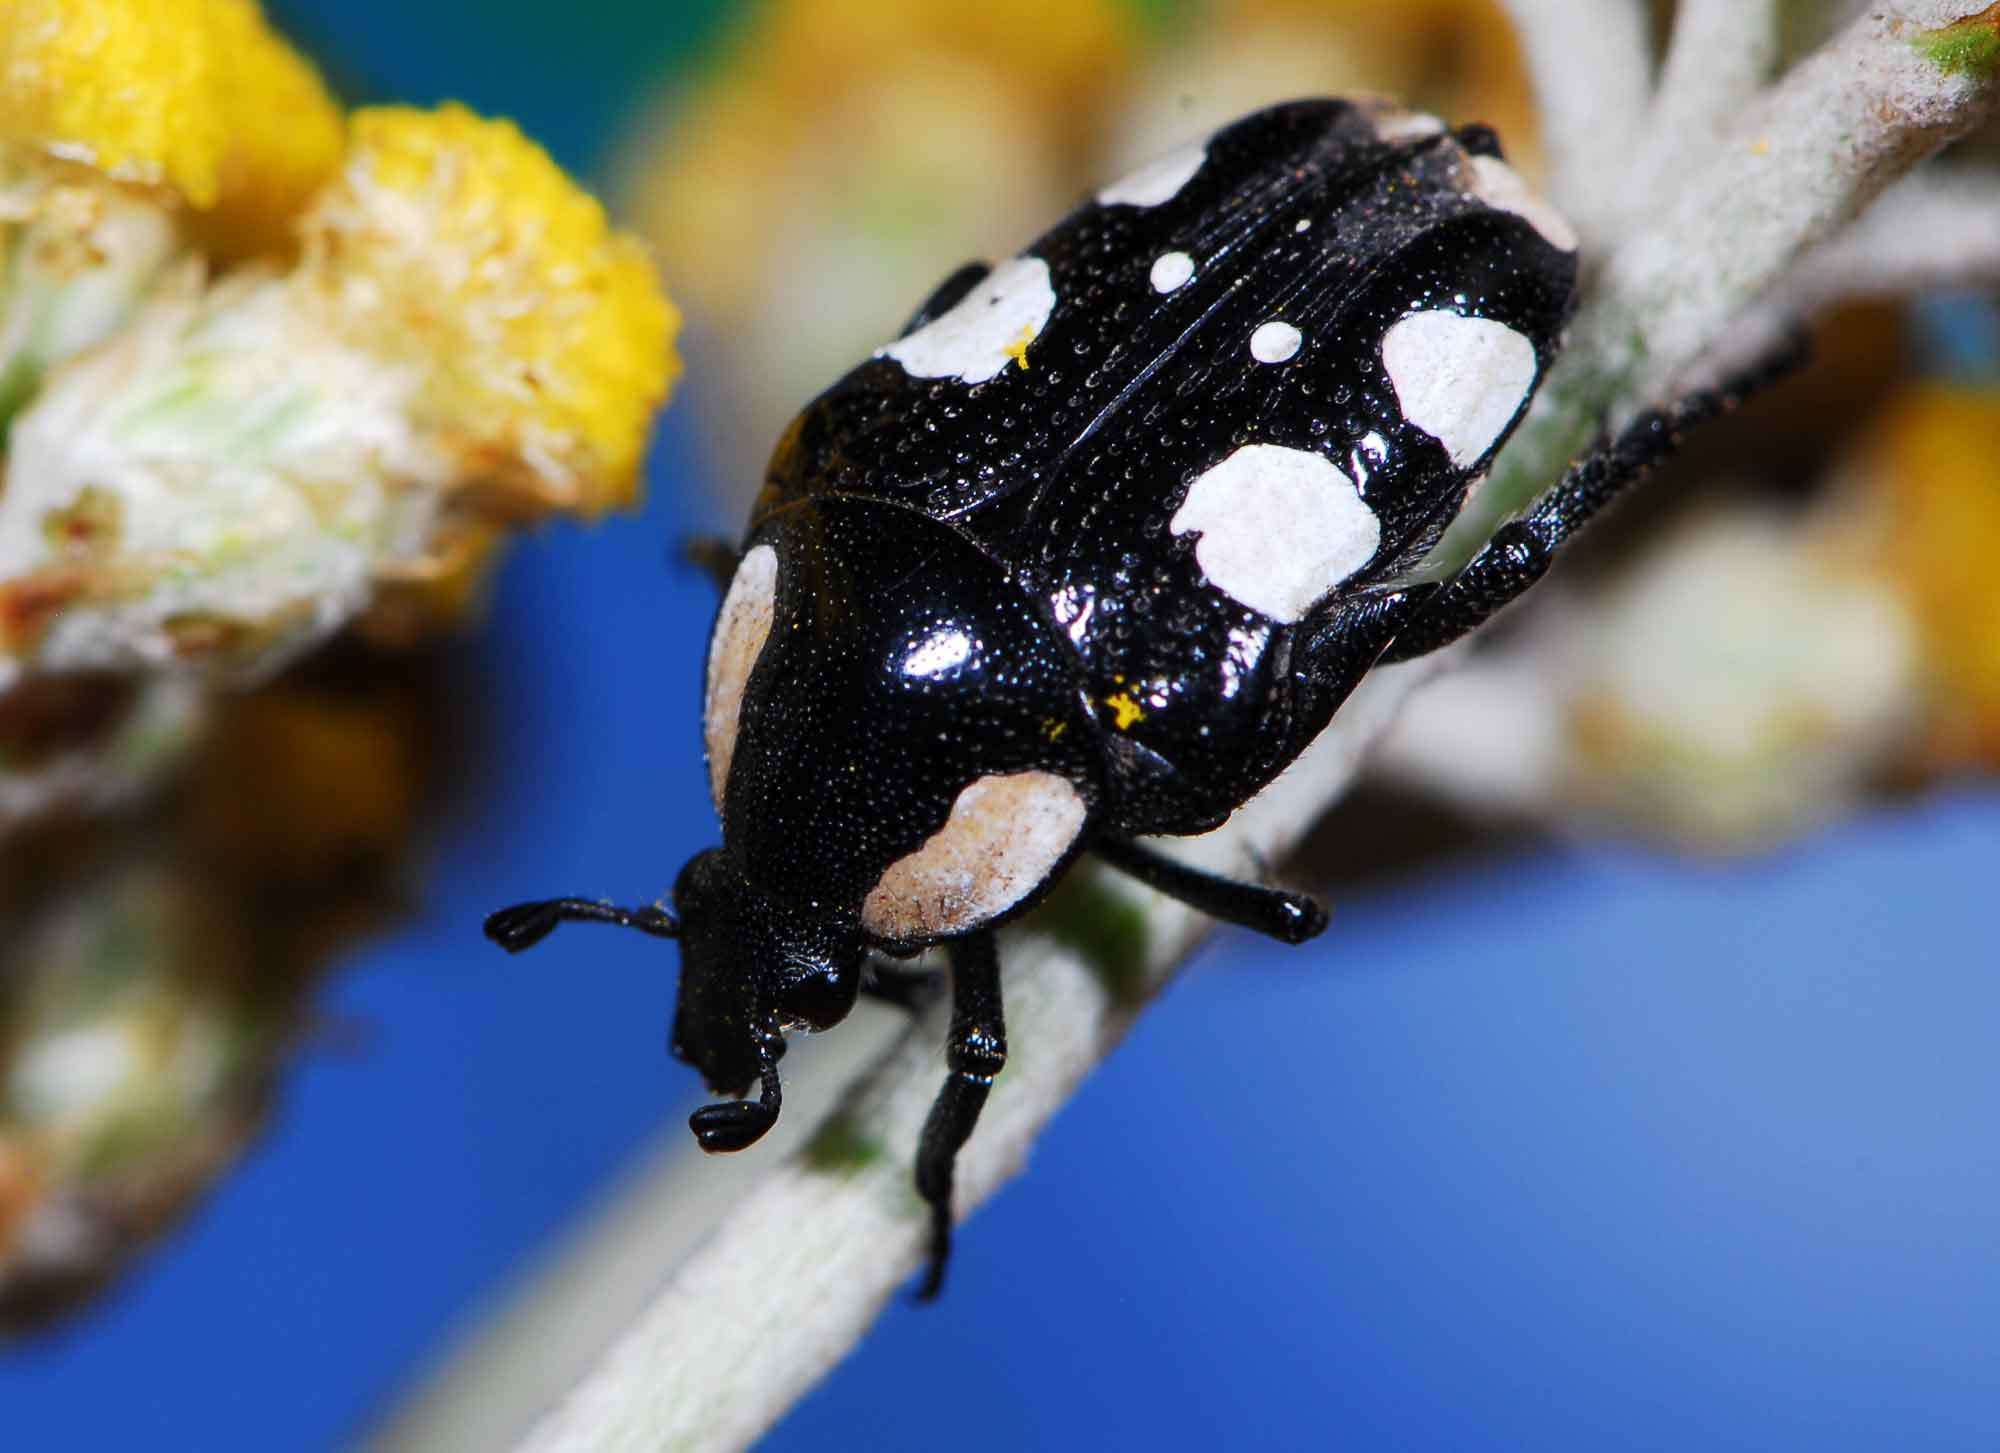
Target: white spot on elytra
{"type": "Point", "coordinates": [986, 331]}
{"type": "Point", "coordinates": [1461, 380]}
{"type": "Point", "coordinates": [741, 628]}
{"type": "Point", "coordinates": [1279, 528]}
{"type": "Point", "coordinates": [1157, 181]}
{"type": "Point", "coordinates": [1399, 126]}
{"type": "Point", "coordinates": [1170, 270]}
{"type": "Point", "coordinates": [1302, 224]}
{"type": "Point", "coordinates": [1499, 185]}
{"type": "Point", "coordinates": [1274, 342]}
{"type": "Point", "coordinates": [1004, 837]}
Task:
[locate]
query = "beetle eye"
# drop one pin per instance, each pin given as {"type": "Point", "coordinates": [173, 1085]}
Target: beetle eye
{"type": "Point", "coordinates": [820, 997]}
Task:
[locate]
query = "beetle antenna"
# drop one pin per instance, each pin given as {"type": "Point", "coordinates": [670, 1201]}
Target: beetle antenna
{"type": "Point", "coordinates": [527, 924]}
{"type": "Point", "coordinates": [736, 1124]}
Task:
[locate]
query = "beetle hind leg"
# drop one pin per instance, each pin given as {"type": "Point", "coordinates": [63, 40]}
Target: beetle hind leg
{"type": "Point", "coordinates": [976, 1051]}
{"type": "Point", "coordinates": [1521, 552]}
{"type": "Point", "coordinates": [1286, 916]}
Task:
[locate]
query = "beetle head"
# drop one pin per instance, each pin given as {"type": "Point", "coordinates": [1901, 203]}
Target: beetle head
{"type": "Point", "coordinates": [751, 968]}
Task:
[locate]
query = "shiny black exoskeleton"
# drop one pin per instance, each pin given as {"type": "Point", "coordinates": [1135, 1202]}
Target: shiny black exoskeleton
{"type": "Point", "coordinates": [1092, 552]}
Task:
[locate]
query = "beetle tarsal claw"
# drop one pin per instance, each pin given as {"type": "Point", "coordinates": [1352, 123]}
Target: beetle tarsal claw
{"type": "Point", "coordinates": [730, 1126]}
{"type": "Point", "coordinates": [1298, 918]}
{"type": "Point", "coordinates": [522, 926]}
{"type": "Point", "coordinates": [736, 1125]}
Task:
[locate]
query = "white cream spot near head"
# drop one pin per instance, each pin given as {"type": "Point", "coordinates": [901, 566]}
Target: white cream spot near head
{"type": "Point", "coordinates": [1460, 380]}
{"type": "Point", "coordinates": [741, 628]}
{"type": "Point", "coordinates": [986, 331]}
{"type": "Point", "coordinates": [1499, 185]}
{"type": "Point", "coordinates": [1157, 181]}
{"type": "Point", "coordinates": [1279, 528]}
{"type": "Point", "coordinates": [1274, 342]}
{"type": "Point", "coordinates": [1004, 837]}
{"type": "Point", "coordinates": [1170, 270]}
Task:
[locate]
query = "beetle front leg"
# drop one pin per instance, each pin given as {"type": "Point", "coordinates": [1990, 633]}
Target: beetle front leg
{"type": "Point", "coordinates": [526, 924]}
{"type": "Point", "coordinates": [1286, 916]}
{"type": "Point", "coordinates": [976, 1052]}
{"type": "Point", "coordinates": [738, 1124]}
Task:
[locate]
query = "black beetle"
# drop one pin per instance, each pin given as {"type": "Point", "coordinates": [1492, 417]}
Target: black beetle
{"type": "Point", "coordinates": [1091, 552]}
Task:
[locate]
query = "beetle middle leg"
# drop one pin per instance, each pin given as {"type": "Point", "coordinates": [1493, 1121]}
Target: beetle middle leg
{"type": "Point", "coordinates": [976, 1051]}
{"type": "Point", "coordinates": [948, 295]}
{"type": "Point", "coordinates": [1286, 916]}
{"type": "Point", "coordinates": [900, 988]}
{"type": "Point", "coordinates": [714, 557]}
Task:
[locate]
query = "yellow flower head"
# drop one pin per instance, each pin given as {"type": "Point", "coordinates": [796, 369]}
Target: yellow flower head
{"type": "Point", "coordinates": [197, 96]}
{"type": "Point", "coordinates": [1063, 53]}
{"type": "Point", "coordinates": [455, 246]}
{"type": "Point", "coordinates": [284, 132]}
{"type": "Point", "coordinates": [121, 85]}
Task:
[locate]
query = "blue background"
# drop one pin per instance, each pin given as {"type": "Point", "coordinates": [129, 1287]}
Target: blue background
{"type": "Point", "coordinates": [1590, 1149]}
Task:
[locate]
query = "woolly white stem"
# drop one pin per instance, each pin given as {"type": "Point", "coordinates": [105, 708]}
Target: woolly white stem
{"type": "Point", "coordinates": [1592, 66]}
{"type": "Point", "coordinates": [1805, 158]}
{"type": "Point", "coordinates": [1802, 161]}
{"type": "Point", "coordinates": [806, 1261]}
{"type": "Point", "coordinates": [1937, 229]}
{"type": "Point", "coordinates": [1722, 51]}
{"type": "Point", "coordinates": [797, 1274]}
{"type": "Point", "coordinates": [1932, 230]}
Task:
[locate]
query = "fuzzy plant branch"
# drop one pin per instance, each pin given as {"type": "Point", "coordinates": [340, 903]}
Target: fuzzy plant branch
{"type": "Point", "coordinates": [801, 1268]}
{"type": "Point", "coordinates": [805, 1263]}
{"type": "Point", "coordinates": [1730, 219]}
{"type": "Point", "coordinates": [1721, 54]}
{"type": "Point", "coordinates": [1937, 229]}
{"type": "Point", "coordinates": [1591, 62]}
